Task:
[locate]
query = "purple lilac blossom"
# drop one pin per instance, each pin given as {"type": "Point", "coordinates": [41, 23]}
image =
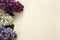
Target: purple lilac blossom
{"type": "Point", "coordinates": [7, 33]}
{"type": "Point", "coordinates": [11, 6]}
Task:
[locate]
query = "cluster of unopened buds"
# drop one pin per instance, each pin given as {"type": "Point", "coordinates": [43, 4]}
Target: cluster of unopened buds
{"type": "Point", "coordinates": [7, 9]}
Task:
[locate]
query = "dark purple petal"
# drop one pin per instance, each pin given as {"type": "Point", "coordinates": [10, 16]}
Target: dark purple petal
{"type": "Point", "coordinates": [11, 6]}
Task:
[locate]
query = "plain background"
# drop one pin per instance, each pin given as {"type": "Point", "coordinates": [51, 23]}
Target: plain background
{"type": "Point", "coordinates": [40, 20]}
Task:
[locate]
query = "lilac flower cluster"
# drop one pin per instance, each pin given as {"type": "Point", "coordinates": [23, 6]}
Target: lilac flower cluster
{"type": "Point", "coordinates": [10, 6]}
{"type": "Point", "coordinates": [6, 33]}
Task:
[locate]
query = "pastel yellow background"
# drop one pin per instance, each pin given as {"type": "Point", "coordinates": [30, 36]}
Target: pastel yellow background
{"type": "Point", "coordinates": [40, 20]}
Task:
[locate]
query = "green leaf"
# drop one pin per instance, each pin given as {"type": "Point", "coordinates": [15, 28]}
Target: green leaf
{"type": "Point", "coordinates": [11, 14]}
{"type": "Point", "coordinates": [10, 26]}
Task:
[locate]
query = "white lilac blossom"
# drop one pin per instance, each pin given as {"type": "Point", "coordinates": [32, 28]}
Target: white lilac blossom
{"type": "Point", "coordinates": [5, 18]}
